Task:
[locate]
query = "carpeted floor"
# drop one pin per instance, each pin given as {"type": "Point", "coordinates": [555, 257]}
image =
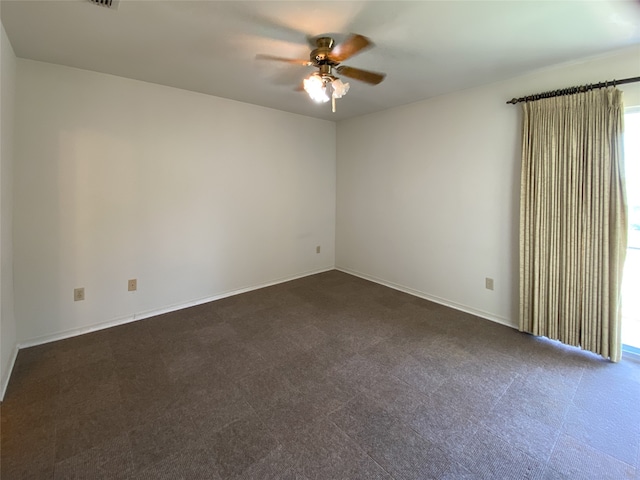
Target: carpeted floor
{"type": "Point", "coordinates": [326, 377]}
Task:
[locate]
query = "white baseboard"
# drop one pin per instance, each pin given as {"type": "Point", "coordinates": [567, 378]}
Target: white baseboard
{"type": "Point", "coordinates": [5, 379]}
{"type": "Point", "coordinates": [159, 311]}
{"type": "Point", "coordinates": [447, 303]}
{"type": "Point", "coordinates": [172, 308]}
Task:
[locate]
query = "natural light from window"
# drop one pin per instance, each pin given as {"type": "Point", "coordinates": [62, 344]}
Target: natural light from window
{"type": "Point", "coordinates": [631, 280]}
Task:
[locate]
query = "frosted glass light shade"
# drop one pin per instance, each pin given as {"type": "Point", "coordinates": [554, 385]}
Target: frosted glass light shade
{"type": "Point", "coordinates": [316, 88]}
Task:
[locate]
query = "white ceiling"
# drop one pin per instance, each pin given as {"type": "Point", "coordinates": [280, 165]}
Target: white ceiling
{"type": "Point", "coordinates": [427, 48]}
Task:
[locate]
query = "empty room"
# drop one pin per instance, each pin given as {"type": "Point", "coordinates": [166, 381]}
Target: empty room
{"type": "Point", "coordinates": [319, 240]}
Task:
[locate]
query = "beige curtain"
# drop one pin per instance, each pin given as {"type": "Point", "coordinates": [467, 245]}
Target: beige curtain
{"type": "Point", "coordinates": [573, 220]}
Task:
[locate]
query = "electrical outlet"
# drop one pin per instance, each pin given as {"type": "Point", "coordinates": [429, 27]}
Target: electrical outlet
{"type": "Point", "coordinates": [318, 249]}
{"type": "Point", "coordinates": [78, 294]}
{"type": "Point", "coordinates": [488, 283]}
{"type": "Point", "coordinates": [133, 285]}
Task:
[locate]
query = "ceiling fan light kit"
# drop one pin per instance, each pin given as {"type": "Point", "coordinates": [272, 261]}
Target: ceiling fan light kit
{"type": "Point", "coordinates": [318, 88]}
{"type": "Point", "coordinates": [323, 85]}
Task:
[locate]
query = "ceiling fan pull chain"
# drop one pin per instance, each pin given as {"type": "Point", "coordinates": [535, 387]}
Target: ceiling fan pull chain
{"type": "Point", "coordinates": [333, 104]}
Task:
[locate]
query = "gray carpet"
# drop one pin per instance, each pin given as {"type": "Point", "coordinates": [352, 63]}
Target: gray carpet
{"type": "Point", "coordinates": [326, 377]}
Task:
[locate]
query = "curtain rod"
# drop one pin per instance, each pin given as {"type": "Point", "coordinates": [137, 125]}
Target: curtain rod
{"type": "Point", "coordinates": [571, 90]}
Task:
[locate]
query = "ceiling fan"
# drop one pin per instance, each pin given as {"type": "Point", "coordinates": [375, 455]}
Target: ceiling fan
{"type": "Point", "coordinates": [323, 85]}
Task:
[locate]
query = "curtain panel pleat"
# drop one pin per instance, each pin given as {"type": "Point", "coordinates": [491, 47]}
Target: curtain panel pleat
{"type": "Point", "coordinates": [573, 220]}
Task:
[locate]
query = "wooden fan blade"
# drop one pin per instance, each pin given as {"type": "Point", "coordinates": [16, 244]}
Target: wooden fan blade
{"type": "Point", "coordinates": [295, 61]}
{"type": "Point", "coordinates": [348, 48]}
{"type": "Point", "coordinates": [373, 78]}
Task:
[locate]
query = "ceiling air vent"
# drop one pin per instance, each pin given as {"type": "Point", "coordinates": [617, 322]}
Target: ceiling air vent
{"type": "Point", "coordinates": [113, 4]}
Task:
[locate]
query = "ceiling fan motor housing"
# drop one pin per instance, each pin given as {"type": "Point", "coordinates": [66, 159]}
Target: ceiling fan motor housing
{"type": "Point", "coordinates": [320, 56]}
{"type": "Point", "coordinates": [328, 56]}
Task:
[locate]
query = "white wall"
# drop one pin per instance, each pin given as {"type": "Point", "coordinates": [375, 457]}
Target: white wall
{"type": "Point", "coordinates": [428, 193]}
{"type": "Point", "coordinates": [193, 195]}
{"type": "Point", "coordinates": [198, 196]}
{"type": "Point", "coordinates": [8, 338]}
